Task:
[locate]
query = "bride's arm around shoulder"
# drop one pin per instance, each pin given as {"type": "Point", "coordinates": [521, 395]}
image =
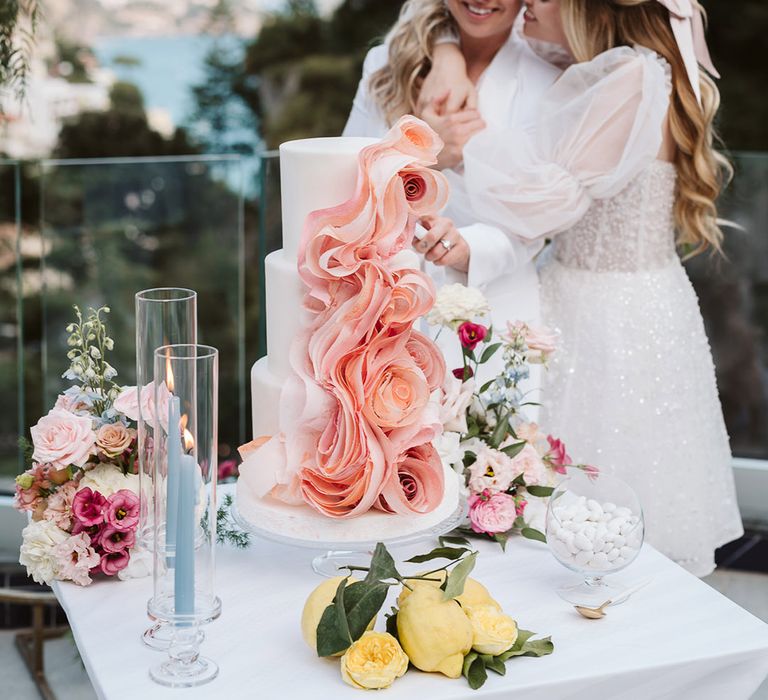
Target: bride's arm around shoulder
{"type": "Point", "coordinates": [600, 125]}
{"type": "Point", "coordinates": [365, 118]}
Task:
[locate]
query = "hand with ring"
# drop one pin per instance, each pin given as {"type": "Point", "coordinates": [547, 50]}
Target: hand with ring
{"type": "Point", "coordinates": [443, 244]}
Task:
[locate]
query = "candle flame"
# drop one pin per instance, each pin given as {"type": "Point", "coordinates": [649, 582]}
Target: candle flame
{"type": "Point", "coordinates": [189, 441]}
{"type": "Point", "coordinates": [168, 371]}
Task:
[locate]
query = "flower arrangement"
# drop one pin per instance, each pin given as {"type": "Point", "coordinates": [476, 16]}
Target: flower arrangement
{"type": "Point", "coordinates": [444, 621]}
{"type": "Point", "coordinates": [508, 464]}
{"type": "Point", "coordinates": [82, 489]}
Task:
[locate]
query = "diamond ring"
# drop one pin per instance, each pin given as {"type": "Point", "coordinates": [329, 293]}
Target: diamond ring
{"type": "Point", "coordinates": [446, 244]}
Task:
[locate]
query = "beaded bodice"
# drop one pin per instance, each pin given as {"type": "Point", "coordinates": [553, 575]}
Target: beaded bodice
{"type": "Point", "coordinates": [631, 231]}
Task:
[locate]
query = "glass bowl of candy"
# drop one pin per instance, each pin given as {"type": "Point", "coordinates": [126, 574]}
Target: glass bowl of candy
{"type": "Point", "coordinates": [594, 527]}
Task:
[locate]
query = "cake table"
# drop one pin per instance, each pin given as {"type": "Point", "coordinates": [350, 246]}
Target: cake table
{"type": "Point", "coordinates": [677, 638]}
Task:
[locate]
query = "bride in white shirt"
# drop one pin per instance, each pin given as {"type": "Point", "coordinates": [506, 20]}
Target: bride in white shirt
{"type": "Point", "coordinates": [510, 79]}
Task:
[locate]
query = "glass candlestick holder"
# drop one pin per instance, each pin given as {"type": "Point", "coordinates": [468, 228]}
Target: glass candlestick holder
{"type": "Point", "coordinates": [184, 538]}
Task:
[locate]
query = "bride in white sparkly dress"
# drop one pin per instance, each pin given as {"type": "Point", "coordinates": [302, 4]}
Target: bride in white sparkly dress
{"type": "Point", "coordinates": [620, 159]}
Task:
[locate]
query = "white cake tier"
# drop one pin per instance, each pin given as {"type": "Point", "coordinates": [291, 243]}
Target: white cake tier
{"type": "Point", "coordinates": [315, 174]}
{"type": "Point", "coordinates": [265, 395]}
{"type": "Point", "coordinates": [304, 523]}
{"type": "Point", "coordinates": [285, 292]}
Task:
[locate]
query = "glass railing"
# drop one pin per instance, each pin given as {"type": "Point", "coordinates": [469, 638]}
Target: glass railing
{"type": "Point", "coordinates": [733, 292]}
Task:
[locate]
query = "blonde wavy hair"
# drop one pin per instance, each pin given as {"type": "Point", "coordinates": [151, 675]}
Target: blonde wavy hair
{"type": "Point", "coordinates": [395, 87]}
{"type": "Point", "coordinates": [594, 26]}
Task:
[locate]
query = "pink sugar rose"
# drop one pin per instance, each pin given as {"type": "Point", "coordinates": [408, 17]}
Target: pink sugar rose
{"type": "Point", "coordinates": [114, 562]}
{"type": "Point", "coordinates": [398, 396]}
{"type": "Point", "coordinates": [76, 557]}
{"type": "Point", "coordinates": [557, 456]}
{"type": "Point", "coordinates": [113, 540]}
{"type": "Point", "coordinates": [417, 483]}
{"type": "Point", "coordinates": [428, 357]}
{"type": "Point", "coordinates": [88, 507]}
{"type": "Point", "coordinates": [471, 334]}
{"type": "Point", "coordinates": [529, 463]}
{"type": "Point", "coordinates": [411, 296]}
{"type": "Point", "coordinates": [122, 510]}
{"type": "Point", "coordinates": [425, 190]}
{"type": "Point", "coordinates": [59, 508]}
{"type": "Point", "coordinates": [62, 439]}
{"type": "Point", "coordinates": [492, 513]}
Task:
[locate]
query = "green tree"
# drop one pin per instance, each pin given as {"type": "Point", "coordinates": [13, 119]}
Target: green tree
{"type": "Point", "coordinates": [18, 21]}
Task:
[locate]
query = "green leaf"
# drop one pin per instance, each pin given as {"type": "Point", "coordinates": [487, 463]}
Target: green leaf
{"type": "Point", "coordinates": [468, 661]}
{"type": "Point", "coordinates": [362, 602]}
{"type": "Point", "coordinates": [469, 354]}
{"type": "Point", "coordinates": [532, 534]}
{"type": "Point", "coordinates": [454, 584]}
{"type": "Point", "coordinates": [515, 449]}
{"type": "Point", "coordinates": [474, 671]}
{"type": "Point", "coordinates": [453, 540]}
{"type": "Point", "coordinates": [524, 646]}
{"type": "Point", "coordinates": [489, 352]}
{"type": "Point", "coordinates": [342, 624]}
{"type": "Point", "coordinates": [519, 480]}
{"type": "Point", "coordinates": [540, 491]}
{"type": "Point", "coordinates": [486, 386]}
{"type": "Point", "coordinates": [469, 458]}
{"type": "Point", "coordinates": [501, 538]}
{"type": "Point", "coordinates": [451, 553]}
{"type": "Point", "coordinates": [494, 663]}
{"type": "Point", "coordinates": [329, 641]}
{"type": "Point", "coordinates": [382, 566]}
{"type": "Point", "coordinates": [500, 432]}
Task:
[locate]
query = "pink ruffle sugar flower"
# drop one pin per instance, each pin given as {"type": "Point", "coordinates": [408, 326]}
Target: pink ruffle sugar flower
{"type": "Point", "coordinates": [76, 557]}
{"type": "Point", "coordinates": [122, 510]}
{"type": "Point", "coordinates": [88, 507]}
{"type": "Point", "coordinates": [492, 513]}
{"type": "Point", "coordinates": [112, 540]}
{"type": "Point", "coordinates": [471, 334]}
{"type": "Point", "coordinates": [557, 456]}
{"type": "Point", "coordinates": [114, 562]}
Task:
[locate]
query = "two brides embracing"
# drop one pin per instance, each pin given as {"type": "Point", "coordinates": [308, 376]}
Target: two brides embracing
{"type": "Point", "coordinates": [587, 123]}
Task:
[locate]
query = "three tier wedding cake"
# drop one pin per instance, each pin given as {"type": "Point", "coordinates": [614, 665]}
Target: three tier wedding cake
{"type": "Point", "coordinates": [342, 416]}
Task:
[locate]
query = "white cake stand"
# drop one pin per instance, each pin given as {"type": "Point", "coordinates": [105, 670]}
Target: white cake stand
{"type": "Point", "coordinates": [342, 553]}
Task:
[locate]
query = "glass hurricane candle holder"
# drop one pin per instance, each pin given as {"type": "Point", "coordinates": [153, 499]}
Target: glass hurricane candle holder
{"type": "Point", "coordinates": [594, 526]}
{"type": "Point", "coordinates": [185, 453]}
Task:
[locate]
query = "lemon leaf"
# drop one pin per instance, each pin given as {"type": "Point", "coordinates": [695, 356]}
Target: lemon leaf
{"type": "Point", "coordinates": [474, 671]}
{"type": "Point", "coordinates": [451, 553]}
{"type": "Point", "coordinates": [382, 566]}
{"type": "Point", "coordinates": [457, 577]}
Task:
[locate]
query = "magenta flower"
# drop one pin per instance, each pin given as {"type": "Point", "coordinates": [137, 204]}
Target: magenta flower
{"type": "Point", "coordinates": [470, 334]}
{"type": "Point", "coordinates": [94, 532]}
{"type": "Point", "coordinates": [113, 541]}
{"type": "Point", "coordinates": [491, 513]}
{"type": "Point", "coordinates": [463, 373]}
{"type": "Point", "coordinates": [557, 456]}
{"type": "Point", "coordinates": [227, 469]}
{"type": "Point", "coordinates": [122, 511]}
{"type": "Point", "coordinates": [88, 507]}
{"type": "Point", "coordinates": [110, 564]}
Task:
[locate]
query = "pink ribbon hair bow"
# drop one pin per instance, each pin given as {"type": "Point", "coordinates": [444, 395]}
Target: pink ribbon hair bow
{"type": "Point", "coordinates": [687, 23]}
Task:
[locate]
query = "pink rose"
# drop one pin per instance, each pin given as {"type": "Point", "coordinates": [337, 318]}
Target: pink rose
{"type": "Point", "coordinates": [428, 357]}
{"type": "Point", "coordinates": [127, 403]}
{"type": "Point", "coordinates": [114, 438]}
{"type": "Point", "coordinates": [492, 513]}
{"type": "Point", "coordinates": [71, 404]}
{"type": "Point", "coordinates": [540, 342]}
{"type": "Point", "coordinates": [471, 334]}
{"type": "Point", "coordinates": [88, 507]}
{"type": "Point", "coordinates": [76, 557]}
{"type": "Point", "coordinates": [492, 471]}
{"type": "Point", "coordinates": [122, 510]}
{"type": "Point", "coordinates": [557, 456]}
{"type": "Point", "coordinates": [62, 439]}
{"type": "Point", "coordinates": [529, 463]}
{"type": "Point", "coordinates": [113, 562]}
{"type": "Point", "coordinates": [59, 509]}
{"type": "Point", "coordinates": [417, 483]}
{"type": "Point", "coordinates": [113, 540]}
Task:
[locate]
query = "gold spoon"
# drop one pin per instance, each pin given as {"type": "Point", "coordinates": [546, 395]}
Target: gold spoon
{"type": "Point", "coordinates": [599, 612]}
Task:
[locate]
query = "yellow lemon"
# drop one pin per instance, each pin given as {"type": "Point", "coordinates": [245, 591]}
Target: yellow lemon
{"type": "Point", "coordinates": [435, 633]}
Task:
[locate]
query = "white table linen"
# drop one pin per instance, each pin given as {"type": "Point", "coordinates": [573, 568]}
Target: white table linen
{"type": "Point", "coordinates": [677, 638]}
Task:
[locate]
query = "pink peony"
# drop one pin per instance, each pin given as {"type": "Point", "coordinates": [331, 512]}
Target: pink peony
{"type": "Point", "coordinates": [62, 439]}
{"type": "Point", "coordinates": [122, 510]}
{"type": "Point", "coordinates": [529, 463]}
{"type": "Point", "coordinates": [88, 507]}
{"type": "Point", "coordinates": [114, 562]}
{"type": "Point", "coordinates": [557, 456]}
{"type": "Point", "coordinates": [59, 508]}
{"type": "Point", "coordinates": [113, 540]}
{"type": "Point", "coordinates": [492, 513]}
{"type": "Point", "coordinates": [76, 557]}
{"type": "Point", "coordinates": [471, 334]}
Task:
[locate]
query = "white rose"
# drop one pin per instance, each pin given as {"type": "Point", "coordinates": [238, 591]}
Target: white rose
{"type": "Point", "coordinates": [37, 553]}
{"type": "Point", "coordinates": [449, 448]}
{"type": "Point", "coordinates": [455, 304]}
{"type": "Point", "coordinates": [456, 398]}
{"type": "Point", "coordinates": [139, 565]}
{"type": "Point", "coordinates": [108, 479]}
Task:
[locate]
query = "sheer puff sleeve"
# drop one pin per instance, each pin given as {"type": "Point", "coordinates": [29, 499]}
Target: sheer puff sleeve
{"type": "Point", "coordinates": [601, 124]}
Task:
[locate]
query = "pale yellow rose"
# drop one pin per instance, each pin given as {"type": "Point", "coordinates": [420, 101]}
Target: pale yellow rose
{"type": "Point", "coordinates": [315, 606]}
{"type": "Point", "coordinates": [114, 438]}
{"type": "Point", "coordinates": [493, 632]}
{"type": "Point", "coordinates": [475, 593]}
{"type": "Point", "coordinates": [434, 632]}
{"type": "Point", "coordinates": [373, 661]}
